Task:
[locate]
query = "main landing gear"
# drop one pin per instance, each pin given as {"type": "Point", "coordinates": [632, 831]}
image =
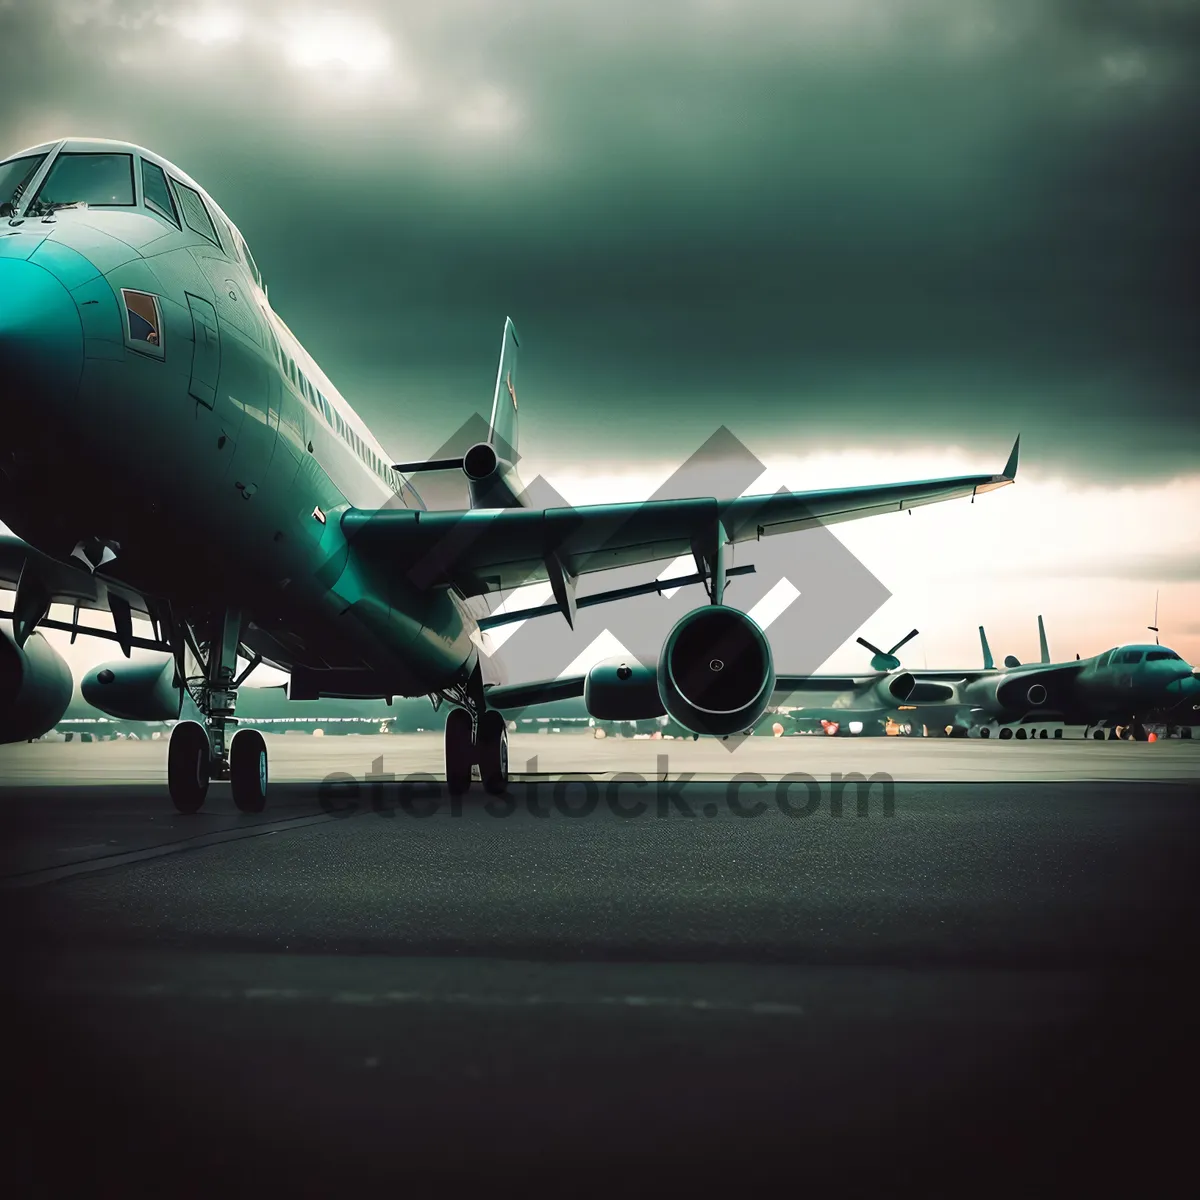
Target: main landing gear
{"type": "Point", "coordinates": [199, 752]}
{"type": "Point", "coordinates": [472, 741]}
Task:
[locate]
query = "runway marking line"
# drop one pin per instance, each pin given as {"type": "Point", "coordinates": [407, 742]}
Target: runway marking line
{"type": "Point", "coordinates": [106, 862]}
{"type": "Point", "coordinates": [287, 995]}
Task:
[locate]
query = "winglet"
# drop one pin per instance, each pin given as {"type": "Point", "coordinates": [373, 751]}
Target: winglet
{"type": "Point", "coordinates": [1010, 467]}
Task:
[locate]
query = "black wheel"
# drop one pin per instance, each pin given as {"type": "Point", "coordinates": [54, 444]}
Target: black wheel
{"type": "Point", "coordinates": [187, 766]}
{"type": "Point", "coordinates": [984, 732]}
{"type": "Point", "coordinates": [1112, 734]}
{"type": "Point", "coordinates": [1098, 735]}
{"type": "Point", "coordinates": [1021, 734]}
{"type": "Point", "coordinates": [248, 770]}
{"type": "Point", "coordinates": [1005, 733]}
{"type": "Point", "coordinates": [493, 752]}
{"type": "Point", "coordinates": [460, 751]}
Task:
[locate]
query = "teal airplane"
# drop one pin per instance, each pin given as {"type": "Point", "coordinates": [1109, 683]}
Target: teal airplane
{"type": "Point", "coordinates": [171, 451]}
{"type": "Point", "coordinates": [1125, 687]}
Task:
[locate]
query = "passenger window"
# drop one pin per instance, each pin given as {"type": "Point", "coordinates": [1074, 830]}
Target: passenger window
{"type": "Point", "coordinates": [195, 215]}
{"type": "Point", "coordinates": [157, 193]}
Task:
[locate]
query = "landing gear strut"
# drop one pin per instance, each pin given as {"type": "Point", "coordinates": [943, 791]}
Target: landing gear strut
{"type": "Point", "coordinates": [198, 753]}
{"type": "Point", "coordinates": [475, 734]}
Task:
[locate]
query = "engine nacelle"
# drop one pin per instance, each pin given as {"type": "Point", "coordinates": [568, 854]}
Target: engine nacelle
{"type": "Point", "coordinates": [137, 689]}
{"type": "Point", "coordinates": [895, 689]}
{"type": "Point", "coordinates": [621, 689]}
{"type": "Point", "coordinates": [715, 672]}
{"type": "Point", "coordinates": [35, 687]}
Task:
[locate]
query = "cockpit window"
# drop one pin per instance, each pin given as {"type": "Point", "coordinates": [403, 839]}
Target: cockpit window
{"type": "Point", "coordinates": [194, 213]}
{"type": "Point", "coordinates": [1131, 656]}
{"type": "Point", "coordinates": [1102, 661]}
{"type": "Point", "coordinates": [1161, 655]}
{"type": "Point", "coordinates": [158, 195]}
{"type": "Point", "coordinates": [103, 179]}
{"type": "Point", "coordinates": [14, 179]}
{"type": "Point", "coordinates": [248, 258]}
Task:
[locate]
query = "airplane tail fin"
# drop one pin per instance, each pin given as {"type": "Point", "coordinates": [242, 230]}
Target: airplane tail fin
{"type": "Point", "coordinates": [1042, 640]}
{"type": "Point", "coordinates": [988, 663]}
{"type": "Point", "coordinates": [503, 433]}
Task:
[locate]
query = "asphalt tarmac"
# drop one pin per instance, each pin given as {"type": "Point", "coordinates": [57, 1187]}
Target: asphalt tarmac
{"type": "Point", "coordinates": [968, 984]}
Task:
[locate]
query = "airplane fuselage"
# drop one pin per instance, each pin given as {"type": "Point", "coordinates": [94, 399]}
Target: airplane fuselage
{"type": "Point", "coordinates": [205, 444]}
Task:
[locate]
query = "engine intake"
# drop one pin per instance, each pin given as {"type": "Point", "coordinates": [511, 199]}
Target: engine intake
{"type": "Point", "coordinates": [715, 671]}
{"type": "Point", "coordinates": [895, 689]}
{"type": "Point", "coordinates": [35, 687]}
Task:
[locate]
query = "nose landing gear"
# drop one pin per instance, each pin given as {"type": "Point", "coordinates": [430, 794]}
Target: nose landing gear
{"type": "Point", "coordinates": [198, 753]}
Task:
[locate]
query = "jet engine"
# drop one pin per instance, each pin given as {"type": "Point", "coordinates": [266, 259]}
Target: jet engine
{"type": "Point", "coordinates": [620, 689]}
{"type": "Point", "coordinates": [139, 689]}
{"type": "Point", "coordinates": [715, 671]}
{"type": "Point", "coordinates": [895, 689]}
{"type": "Point", "coordinates": [35, 687]}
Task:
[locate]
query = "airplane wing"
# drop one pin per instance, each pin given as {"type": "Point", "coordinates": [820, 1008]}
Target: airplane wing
{"type": "Point", "coordinates": [67, 585]}
{"type": "Point", "coordinates": [489, 550]}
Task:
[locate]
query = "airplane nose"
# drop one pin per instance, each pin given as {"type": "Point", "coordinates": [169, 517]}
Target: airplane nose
{"type": "Point", "coordinates": [41, 341]}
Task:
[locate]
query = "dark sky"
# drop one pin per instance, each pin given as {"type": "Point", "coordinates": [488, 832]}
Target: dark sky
{"type": "Point", "coordinates": [848, 222]}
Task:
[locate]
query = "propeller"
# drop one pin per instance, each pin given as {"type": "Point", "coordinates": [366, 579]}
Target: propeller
{"type": "Point", "coordinates": [886, 660]}
{"type": "Point", "coordinates": [1154, 628]}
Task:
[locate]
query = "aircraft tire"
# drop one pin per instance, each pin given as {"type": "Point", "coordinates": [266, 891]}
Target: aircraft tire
{"type": "Point", "coordinates": [493, 753]}
{"type": "Point", "coordinates": [460, 751]}
{"type": "Point", "coordinates": [1006, 733]}
{"type": "Point", "coordinates": [188, 755]}
{"type": "Point", "coordinates": [248, 770]}
{"type": "Point", "coordinates": [1098, 735]}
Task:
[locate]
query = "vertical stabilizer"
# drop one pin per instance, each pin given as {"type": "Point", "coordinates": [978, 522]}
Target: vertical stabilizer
{"type": "Point", "coordinates": [1042, 640]}
{"type": "Point", "coordinates": [503, 433]}
{"type": "Point", "coordinates": [988, 663]}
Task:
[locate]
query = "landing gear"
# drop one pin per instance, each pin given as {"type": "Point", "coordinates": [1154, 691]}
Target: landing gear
{"type": "Point", "coordinates": [1005, 733]}
{"type": "Point", "coordinates": [1098, 735]}
{"type": "Point", "coordinates": [493, 752]}
{"type": "Point", "coordinates": [1137, 731]}
{"type": "Point", "coordinates": [188, 766]}
{"type": "Point", "coordinates": [460, 751]}
{"type": "Point", "coordinates": [248, 770]}
{"type": "Point", "coordinates": [200, 752]}
{"type": "Point", "coordinates": [984, 732]}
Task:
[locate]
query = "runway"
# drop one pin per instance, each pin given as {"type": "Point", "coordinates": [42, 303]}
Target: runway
{"type": "Point", "coordinates": [987, 987]}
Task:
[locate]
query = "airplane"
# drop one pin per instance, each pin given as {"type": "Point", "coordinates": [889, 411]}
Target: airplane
{"type": "Point", "coordinates": [172, 451]}
{"type": "Point", "coordinates": [1121, 688]}
{"type": "Point", "coordinates": [1124, 689]}
{"type": "Point", "coordinates": [836, 703]}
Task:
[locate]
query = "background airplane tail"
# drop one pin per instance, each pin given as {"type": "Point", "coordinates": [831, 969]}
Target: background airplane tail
{"type": "Point", "coordinates": [1042, 640]}
{"type": "Point", "coordinates": [503, 433]}
{"type": "Point", "coordinates": [988, 663]}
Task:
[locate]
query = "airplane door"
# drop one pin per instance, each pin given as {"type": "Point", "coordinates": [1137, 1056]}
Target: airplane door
{"type": "Point", "coordinates": [206, 351]}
